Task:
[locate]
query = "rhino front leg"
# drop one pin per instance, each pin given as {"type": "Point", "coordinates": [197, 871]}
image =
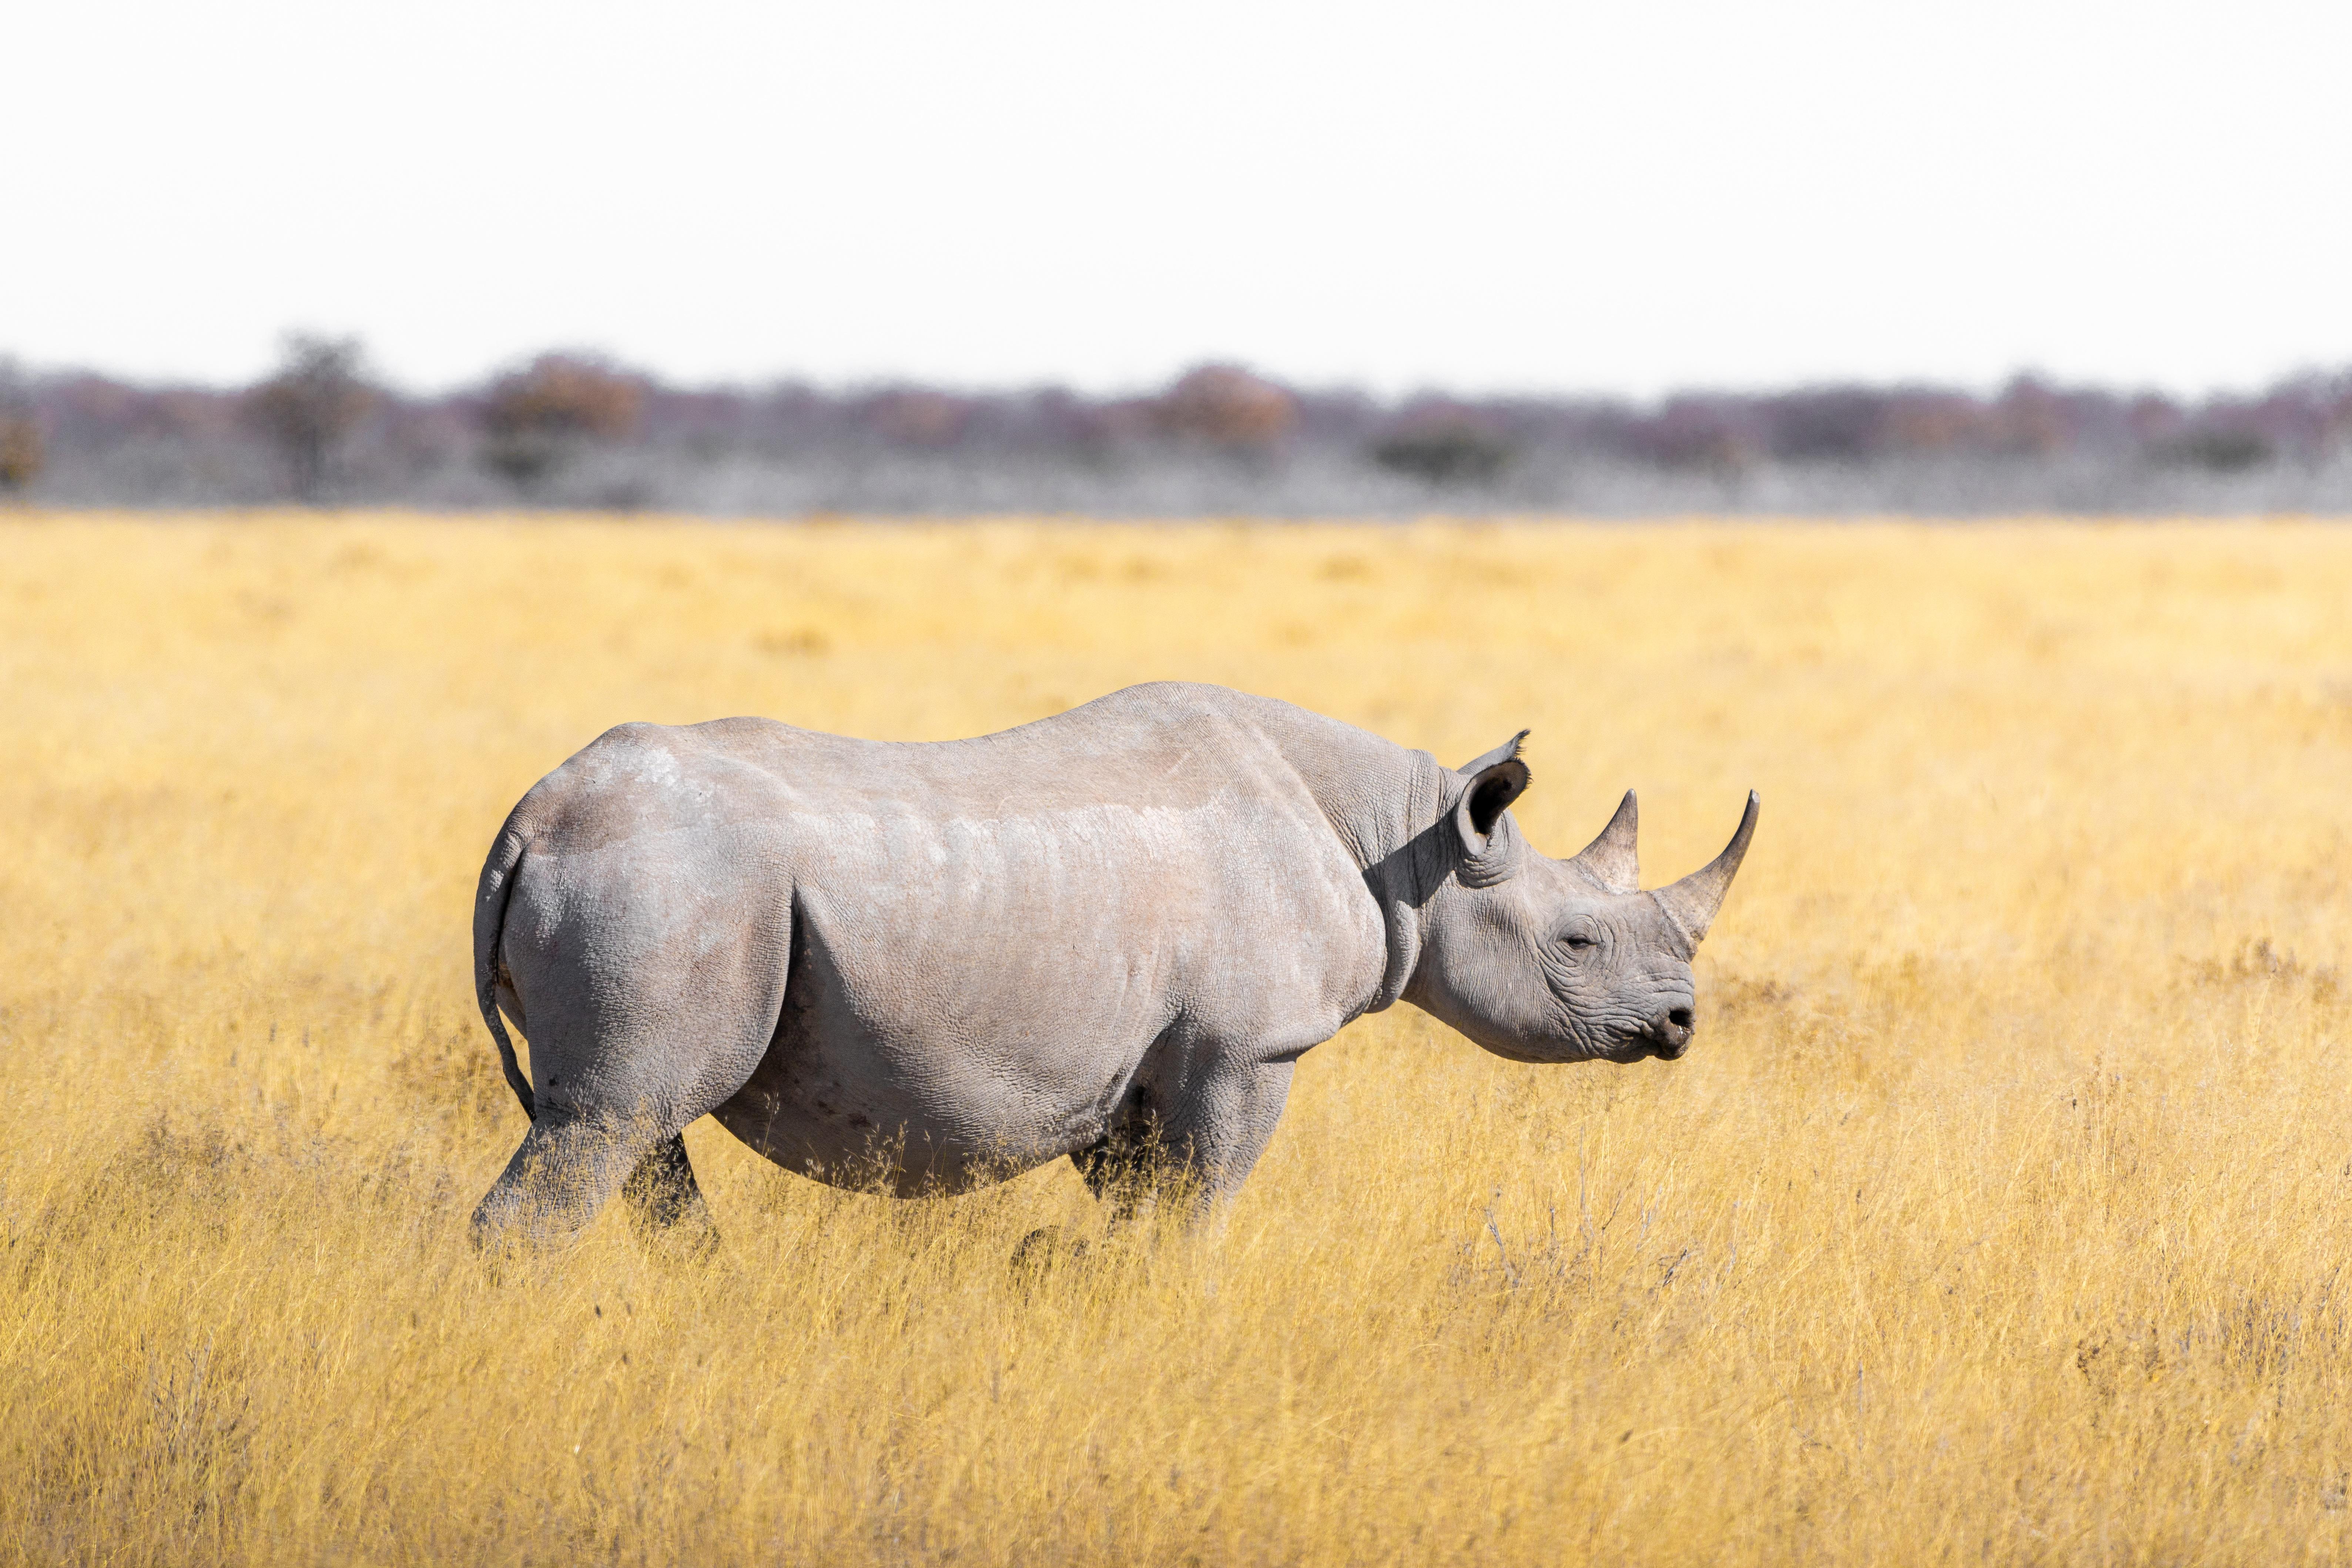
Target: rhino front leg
{"type": "Point", "coordinates": [1206, 1135]}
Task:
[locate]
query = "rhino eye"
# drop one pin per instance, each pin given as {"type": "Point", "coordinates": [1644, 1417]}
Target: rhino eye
{"type": "Point", "coordinates": [1579, 942]}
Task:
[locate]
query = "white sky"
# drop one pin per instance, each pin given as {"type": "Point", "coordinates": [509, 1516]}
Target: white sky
{"type": "Point", "coordinates": [1569, 196]}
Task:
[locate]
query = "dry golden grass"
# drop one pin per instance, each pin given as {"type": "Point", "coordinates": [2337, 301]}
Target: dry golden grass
{"type": "Point", "coordinates": [1998, 1215]}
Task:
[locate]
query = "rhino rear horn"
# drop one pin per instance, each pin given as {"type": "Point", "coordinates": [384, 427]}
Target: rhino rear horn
{"type": "Point", "coordinates": [1612, 859]}
{"type": "Point", "coordinates": [1692, 903]}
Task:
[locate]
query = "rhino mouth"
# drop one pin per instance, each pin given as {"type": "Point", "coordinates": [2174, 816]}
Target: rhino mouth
{"type": "Point", "coordinates": [1647, 1049]}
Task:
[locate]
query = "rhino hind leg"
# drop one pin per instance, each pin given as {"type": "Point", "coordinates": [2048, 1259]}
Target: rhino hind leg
{"type": "Point", "coordinates": [564, 1171]}
{"type": "Point", "coordinates": [666, 1203]}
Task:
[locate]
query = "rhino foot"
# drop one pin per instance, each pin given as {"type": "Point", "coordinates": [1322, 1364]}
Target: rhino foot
{"type": "Point", "coordinates": [667, 1205]}
{"type": "Point", "coordinates": [1044, 1248]}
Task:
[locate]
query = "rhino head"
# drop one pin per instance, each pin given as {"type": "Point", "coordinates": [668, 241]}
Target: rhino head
{"type": "Point", "coordinates": [1554, 961]}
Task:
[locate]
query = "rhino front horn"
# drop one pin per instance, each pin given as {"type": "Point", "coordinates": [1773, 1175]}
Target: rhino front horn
{"type": "Point", "coordinates": [1691, 903]}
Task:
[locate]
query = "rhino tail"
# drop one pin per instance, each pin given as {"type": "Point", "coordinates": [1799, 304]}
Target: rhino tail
{"type": "Point", "coordinates": [489, 928]}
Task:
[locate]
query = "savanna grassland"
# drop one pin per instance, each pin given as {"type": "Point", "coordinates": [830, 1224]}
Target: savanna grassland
{"type": "Point", "coordinates": [2000, 1214]}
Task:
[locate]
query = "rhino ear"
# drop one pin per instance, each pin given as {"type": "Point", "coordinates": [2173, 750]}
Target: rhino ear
{"type": "Point", "coordinates": [1612, 859]}
{"type": "Point", "coordinates": [1502, 753]}
{"type": "Point", "coordinates": [1478, 816]}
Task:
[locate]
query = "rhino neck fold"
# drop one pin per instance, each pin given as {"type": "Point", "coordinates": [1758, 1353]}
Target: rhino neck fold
{"type": "Point", "coordinates": [1400, 834]}
{"type": "Point", "coordinates": [1391, 810]}
{"type": "Point", "coordinates": [1406, 878]}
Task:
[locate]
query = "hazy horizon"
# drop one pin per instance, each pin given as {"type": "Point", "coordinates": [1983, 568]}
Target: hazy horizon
{"type": "Point", "coordinates": [854, 384]}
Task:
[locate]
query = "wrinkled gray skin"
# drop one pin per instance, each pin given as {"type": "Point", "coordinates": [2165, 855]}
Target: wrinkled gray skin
{"type": "Point", "coordinates": [1105, 935]}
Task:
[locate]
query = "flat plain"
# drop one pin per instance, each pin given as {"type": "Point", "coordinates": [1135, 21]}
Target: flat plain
{"type": "Point", "coordinates": [1999, 1214]}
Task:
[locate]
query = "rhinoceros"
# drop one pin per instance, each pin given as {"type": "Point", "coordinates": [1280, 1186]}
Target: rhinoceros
{"type": "Point", "coordinates": [1107, 935]}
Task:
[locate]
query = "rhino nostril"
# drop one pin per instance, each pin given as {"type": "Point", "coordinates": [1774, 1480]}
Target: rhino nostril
{"type": "Point", "coordinates": [1680, 1017]}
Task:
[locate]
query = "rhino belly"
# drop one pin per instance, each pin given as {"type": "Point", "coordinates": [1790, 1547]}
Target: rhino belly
{"type": "Point", "coordinates": [941, 1105]}
{"type": "Point", "coordinates": [928, 1055]}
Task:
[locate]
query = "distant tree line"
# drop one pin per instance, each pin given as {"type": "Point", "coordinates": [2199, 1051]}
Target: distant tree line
{"type": "Point", "coordinates": [576, 429]}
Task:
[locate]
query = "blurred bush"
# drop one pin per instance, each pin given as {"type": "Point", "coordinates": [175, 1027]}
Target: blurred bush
{"type": "Point", "coordinates": [1717, 433]}
{"type": "Point", "coordinates": [309, 408]}
{"type": "Point", "coordinates": [1224, 406]}
{"type": "Point", "coordinates": [536, 419]}
{"type": "Point", "coordinates": [2222, 451]}
{"type": "Point", "coordinates": [22, 452]}
{"type": "Point", "coordinates": [1444, 446]}
{"type": "Point", "coordinates": [915, 417]}
{"type": "Point", "coordinates": [22, 449]}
